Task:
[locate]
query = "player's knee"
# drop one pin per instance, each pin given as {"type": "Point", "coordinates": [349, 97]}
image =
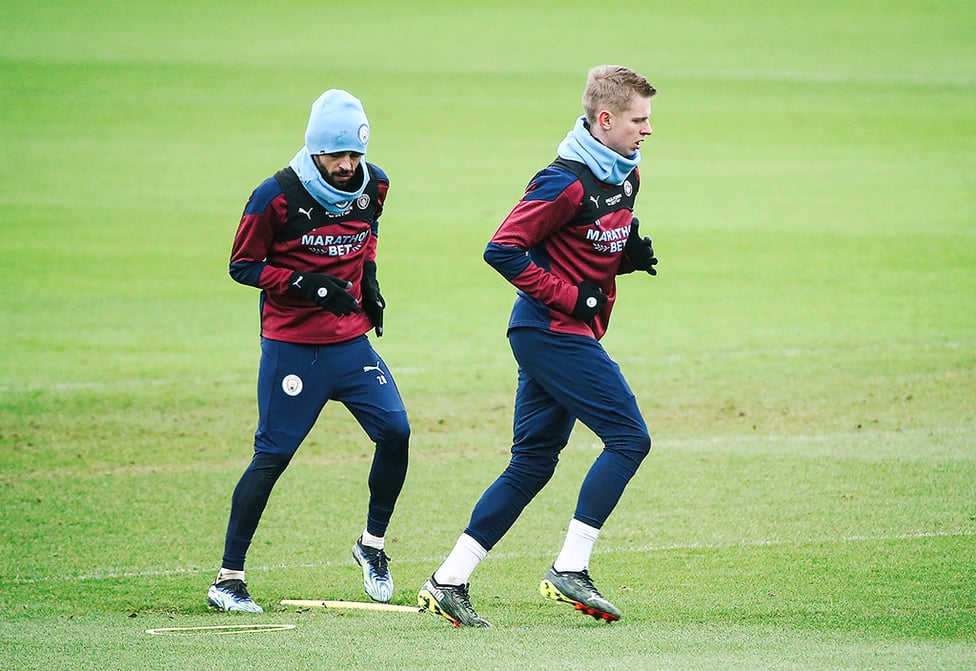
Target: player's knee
{"type": "Point", "coordinates": [643, 444]}
{"type": "Point", "coordinates": [638, 446]}
{"type": "Point", "coordinates": [532, 470]}
{"type": "Point", "coordinates": [395, 433]}
{"type": "Point", "coordinates": [634, 446]}
{"type": "Point", "coordinates": [276, 444]}
{"type": "Point", "coordinates": [269, 464]}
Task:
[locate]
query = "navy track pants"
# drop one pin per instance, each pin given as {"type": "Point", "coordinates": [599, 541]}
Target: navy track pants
{"type": "Point", "coordinates": [294, 384]}
{"type": "Point", "coordinates": [562, 378]}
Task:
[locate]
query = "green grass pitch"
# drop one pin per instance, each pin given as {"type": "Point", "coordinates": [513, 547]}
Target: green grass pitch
{"type": "Point", "coordinates": [806, 358]}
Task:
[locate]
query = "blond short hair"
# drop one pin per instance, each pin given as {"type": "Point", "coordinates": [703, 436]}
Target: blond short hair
{"type": "Point", "coordinates": [612, 87]}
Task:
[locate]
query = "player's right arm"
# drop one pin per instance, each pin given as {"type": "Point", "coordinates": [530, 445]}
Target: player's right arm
{"type": "Point", "coordinates": [551, 199]}
{"type": "Point", "coordinates": [264, 215]}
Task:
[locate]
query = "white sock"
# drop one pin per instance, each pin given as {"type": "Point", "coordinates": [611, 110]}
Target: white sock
{"type": "Point", "coordinates": [372, 541]}
{"type": "Point", "coordinates": [229, 574]}
{"type": "Point", "coordinates": [575, 555]}
{"type": "Point", "coordinates": [461, 562]}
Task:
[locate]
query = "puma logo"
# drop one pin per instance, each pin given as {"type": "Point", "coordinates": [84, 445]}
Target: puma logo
{"type": "Point", "coordinates": [380, 376]}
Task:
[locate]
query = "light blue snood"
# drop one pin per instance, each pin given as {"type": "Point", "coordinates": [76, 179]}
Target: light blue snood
{"type": "Point", "coordinates": [334, 200]}
{"type": "Point", "coordinates": [337, 123]}
{"type": "Point", "coordinates": [606, 164]}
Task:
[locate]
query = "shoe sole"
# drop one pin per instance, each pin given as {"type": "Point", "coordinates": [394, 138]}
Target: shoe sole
{"type": "Point", "coordinates": [550, 591]}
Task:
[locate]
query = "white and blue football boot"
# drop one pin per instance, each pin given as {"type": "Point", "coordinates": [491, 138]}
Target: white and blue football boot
{"type": "Point", "coordinates": [231, 596]}
{"type": "Point", "coordinates": [377, 581]}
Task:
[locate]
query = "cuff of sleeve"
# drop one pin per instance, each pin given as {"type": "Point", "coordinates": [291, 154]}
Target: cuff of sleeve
{"type": "Point", "coordinates": [565, 300]}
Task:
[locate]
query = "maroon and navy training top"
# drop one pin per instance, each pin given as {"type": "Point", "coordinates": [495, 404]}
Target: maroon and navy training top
{"type": "Point", "coordinates": [284, 229]}
{"type": "Point", "coordinates": [568, 227]}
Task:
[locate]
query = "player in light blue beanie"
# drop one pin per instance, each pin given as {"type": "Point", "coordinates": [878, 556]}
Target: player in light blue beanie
{"type": "Point", "coordinates": [307, 239]}
{"type": "Point", "coordinates": [337, 124]}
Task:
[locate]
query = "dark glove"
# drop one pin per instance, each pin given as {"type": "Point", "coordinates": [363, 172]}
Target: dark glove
{"type": "Point", "coordinates": [373, 301]}
{"type": "Point", "coordinates": [328, 292]}
{"type": "Point", "coordinates": [590, 301]}
{"type": "Point", "coordinates": [639, 250]}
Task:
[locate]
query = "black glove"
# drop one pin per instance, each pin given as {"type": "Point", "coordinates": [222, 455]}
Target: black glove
{"type": "Point", "coordinates": [373, 301]}
{"type": "Point", "coordinates": [326, 291]}
{"type": "Point", "coordinates": [639, 250]}
{"type": "Point", "coordinates": [590, 301]}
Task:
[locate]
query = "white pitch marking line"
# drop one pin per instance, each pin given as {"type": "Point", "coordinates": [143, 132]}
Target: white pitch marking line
{"type": "Point", "coordinates": [855, 538]}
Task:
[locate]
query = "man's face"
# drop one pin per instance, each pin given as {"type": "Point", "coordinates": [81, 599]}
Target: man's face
{"type": "Point", "coordinates": [338, 169]}
{"type": "Point", "coordinates": [628, 129]}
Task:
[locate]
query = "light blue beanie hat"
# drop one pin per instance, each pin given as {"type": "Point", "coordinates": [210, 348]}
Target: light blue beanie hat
{"type": "Point", "coordinates": [337, 123]}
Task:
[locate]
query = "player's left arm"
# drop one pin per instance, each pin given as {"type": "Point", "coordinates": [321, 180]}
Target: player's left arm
{"type": "Point", "coordinates": [383, 188]}
{"type": "Point", "coordinates": [373, 302]}
{"type": "Point", "coordinates": [638, 252]}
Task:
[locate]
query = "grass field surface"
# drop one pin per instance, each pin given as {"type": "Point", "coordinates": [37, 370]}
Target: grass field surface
{"type": "Point", "coordinates": [806, 358]}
